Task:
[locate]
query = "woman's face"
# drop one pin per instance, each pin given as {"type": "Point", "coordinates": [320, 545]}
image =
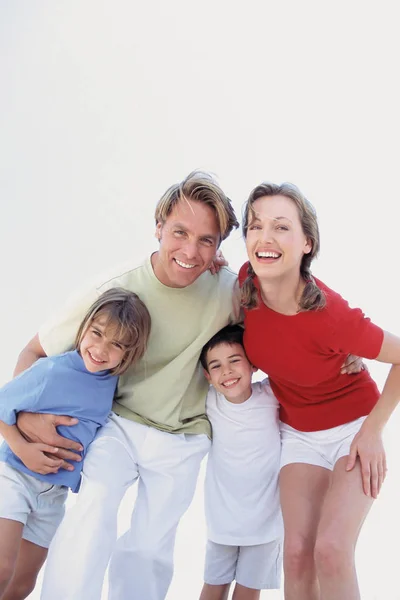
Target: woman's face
{"type": "Point", "coordinates": [275, 241]}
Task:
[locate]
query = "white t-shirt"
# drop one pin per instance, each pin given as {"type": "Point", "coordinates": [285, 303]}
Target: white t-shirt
{"type": "Point", "coordinates": [241, 486]}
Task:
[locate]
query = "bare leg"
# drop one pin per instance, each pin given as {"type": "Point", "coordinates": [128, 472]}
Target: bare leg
{"type": "Point", "coordinates": [215, 592]}
{"type": "Point", "coordinates": [303, 488]}
{"type": "Point", "coordinates": [244, 593]}
{"type": "Point", "coordinates": [343, 514]}
{"type": "Point", "coordinates": [10, 540]}
{"type": "Point", "coordinates": [30, 560]}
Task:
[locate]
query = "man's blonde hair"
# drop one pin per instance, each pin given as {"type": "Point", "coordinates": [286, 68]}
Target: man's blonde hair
{"type": "Point", "coordinates": [199, 186]}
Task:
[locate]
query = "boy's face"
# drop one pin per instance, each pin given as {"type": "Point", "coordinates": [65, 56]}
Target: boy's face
{"type": "Point", "coordinates": [230, 371]}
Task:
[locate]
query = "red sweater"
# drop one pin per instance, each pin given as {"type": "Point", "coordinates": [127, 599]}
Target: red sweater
{"type": "Point", "coordinates": [302, 355]}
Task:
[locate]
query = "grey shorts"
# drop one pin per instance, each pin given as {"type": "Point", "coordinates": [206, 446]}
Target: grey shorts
{"type": "Point", "coordinates": [257, 567]}
{"type": "Point", "coordinates": [35, 503]}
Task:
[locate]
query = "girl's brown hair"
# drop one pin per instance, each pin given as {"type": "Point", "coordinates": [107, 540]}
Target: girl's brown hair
{"type": "Point", "coordinates": [130, 320]}
{"type": "Point", "coordinates": [313, 297]}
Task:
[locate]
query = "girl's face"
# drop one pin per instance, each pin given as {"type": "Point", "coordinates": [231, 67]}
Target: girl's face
{"type": "Point", "coordinates": [275, 241]}
{"type": "Point", "coordinates": [100, 348]}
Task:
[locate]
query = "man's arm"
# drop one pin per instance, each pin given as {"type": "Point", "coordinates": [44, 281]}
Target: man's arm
{"type": "Point", "coordinates": [30, 354]}
{"type": "Point", "coordinates": [41, 428]}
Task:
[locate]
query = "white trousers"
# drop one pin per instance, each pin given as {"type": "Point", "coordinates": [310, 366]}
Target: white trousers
{"type": "Point", "coordinates": [166, 466]}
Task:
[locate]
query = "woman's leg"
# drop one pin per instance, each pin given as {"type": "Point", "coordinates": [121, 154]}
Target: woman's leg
{"type": "Point", "coordinates": [343, 514]}
{"type": "Point", "coordinates": [303, 488]}
{"type": "Point", "coordinates": [30, 560]}
{"type": "Point", "coordinates": [10, 540]}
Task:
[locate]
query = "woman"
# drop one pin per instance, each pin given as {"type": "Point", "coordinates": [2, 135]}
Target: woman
{"type": "Point", "coordinates": [298, 331]}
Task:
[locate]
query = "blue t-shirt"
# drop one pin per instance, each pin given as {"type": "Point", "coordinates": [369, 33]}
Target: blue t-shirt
{"type": "Point", "coordinates": [59, 385]}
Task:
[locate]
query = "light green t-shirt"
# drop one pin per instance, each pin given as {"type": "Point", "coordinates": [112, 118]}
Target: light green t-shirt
{"type": "Point", "coordinates": [166, 388]}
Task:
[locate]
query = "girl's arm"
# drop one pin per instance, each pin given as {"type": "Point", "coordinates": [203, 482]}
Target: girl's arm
{"type": "Point", "coordinates": [31, 454]}
{"type": "Point", "coordinates": [367, 444]}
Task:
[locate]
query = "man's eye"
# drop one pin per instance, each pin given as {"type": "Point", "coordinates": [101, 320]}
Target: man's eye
{"type": "Point", "coordinates": [179, 232]}
{"type": "Point", "coordinates": [207, 242]}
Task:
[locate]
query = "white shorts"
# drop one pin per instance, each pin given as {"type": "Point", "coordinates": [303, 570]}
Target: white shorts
{"type": "Point", "coordinates": [35, 503]}
{"type": "Point", "coordinates": [320, 448]}
{"type": "Point", "coordinates": [256, 567]}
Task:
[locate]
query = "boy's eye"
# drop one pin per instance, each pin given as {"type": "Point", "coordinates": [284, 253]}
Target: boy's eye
{"type": "Point", "coordinates": [214, 367]}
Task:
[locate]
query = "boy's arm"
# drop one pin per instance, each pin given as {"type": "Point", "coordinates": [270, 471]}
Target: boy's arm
{"type": "Point", "coordinates": [32, 455]}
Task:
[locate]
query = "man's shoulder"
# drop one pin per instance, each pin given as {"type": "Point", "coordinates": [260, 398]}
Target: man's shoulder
{"type": "Point", "coordinates": [123, 274]}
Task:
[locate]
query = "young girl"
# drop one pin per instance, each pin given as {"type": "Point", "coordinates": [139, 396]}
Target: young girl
{"type": "Point", "coordinates": [298, 331]}
{"type": "Point", "coordinates": [81, 383]}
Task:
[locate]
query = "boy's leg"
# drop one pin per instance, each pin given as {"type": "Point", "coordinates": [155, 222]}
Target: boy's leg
{"type": "Point", "coordinates": [244, 593]}
{"type": "Point", "coordinates": [30, 560]}
{"type": "Point", "coordinates": [215, 592]}
{"type": "Point", "coordinates": [142, 564]}
{"type": "Point", "coordinates": [219, 570]}
{"type": "Point", "coordinates": [258, 568]}
{"type": "Point", "coordinates": [10, 540]}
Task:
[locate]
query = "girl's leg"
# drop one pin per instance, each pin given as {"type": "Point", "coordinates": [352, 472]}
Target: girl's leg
{"type": "Point", "coordinates": [244, 593]}
{"type": "Point", "coordinates": [215, 592]}
{"type": "Point", "coordinates": [30, 560]}
{"type": "Point", "coordinates": [343, 514]}
{"type": "Point", "coordinates": [303, 488]}
{"type": "Point", "coordinates": [10, 540]}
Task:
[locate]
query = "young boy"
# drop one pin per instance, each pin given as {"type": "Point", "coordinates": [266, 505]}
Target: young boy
{"type": "Point", "coordinates": [241, 486]}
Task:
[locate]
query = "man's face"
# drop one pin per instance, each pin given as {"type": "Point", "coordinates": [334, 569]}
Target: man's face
{"type": "Point", "coordinates": [188, 241]}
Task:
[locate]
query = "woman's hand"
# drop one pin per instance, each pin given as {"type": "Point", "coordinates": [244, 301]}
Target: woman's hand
{"type": "Point", "coordinates": [368, 446]}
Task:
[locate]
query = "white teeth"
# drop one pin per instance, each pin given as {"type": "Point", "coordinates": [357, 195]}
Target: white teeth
{"type": "Point", "coordinates": [184, 265]}
{"type": "Point", "coordinates": [230, 382]}
{"type": "Point", "coordinates": [268, 254]}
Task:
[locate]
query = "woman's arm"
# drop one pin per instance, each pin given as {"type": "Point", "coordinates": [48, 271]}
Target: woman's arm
{"type": "Point", "coordinates": [368, 442]}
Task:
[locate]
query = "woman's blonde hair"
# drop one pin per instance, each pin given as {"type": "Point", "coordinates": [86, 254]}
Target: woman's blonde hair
{"type": "Point", "coordinates": [313, 297]}
{"type": "Point", "coordinates": [129, 319]}
{"type": "Point", "coordinates": [201, 187]}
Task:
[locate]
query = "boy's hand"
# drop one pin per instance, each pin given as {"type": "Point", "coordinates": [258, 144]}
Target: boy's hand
{"type": "Point", "coordinates": [34, 458]}
{"type": "Point", "coordinates": [41, 428]}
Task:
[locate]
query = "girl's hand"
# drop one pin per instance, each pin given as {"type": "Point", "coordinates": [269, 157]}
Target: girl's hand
{"type": "Point", "coordinates": [219, 261]}
{"type": "Point", "coordinates": [368, 446]}
{"type": "Point", "coordinates": [34, 458]}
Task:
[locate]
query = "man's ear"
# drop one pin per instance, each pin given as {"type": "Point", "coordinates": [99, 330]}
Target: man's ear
{"type": "Point", "coordinates": [207, 374]}
{"type": "Point", "coordinates": [158, 231]}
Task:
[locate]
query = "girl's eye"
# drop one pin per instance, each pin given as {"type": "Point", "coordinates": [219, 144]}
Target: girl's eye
{"type": "Point", "coordinates": [117, 345]}
{"type": "Point", "coordinates": [95, 332]}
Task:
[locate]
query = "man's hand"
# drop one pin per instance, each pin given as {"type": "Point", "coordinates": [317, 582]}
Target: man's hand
{"type": "Point", "coordinates": [219, 261]}
{"type": "Point", "coordinates": [353, 364]}
{"type": "Point", "coordinates": [41, 428]}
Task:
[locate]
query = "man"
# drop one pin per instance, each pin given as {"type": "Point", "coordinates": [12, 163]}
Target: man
{"type": "Point", "coordinates": [159, 432]}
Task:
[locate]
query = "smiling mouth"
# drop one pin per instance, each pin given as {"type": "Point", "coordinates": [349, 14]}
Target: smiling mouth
{"type": "Point", "coordinates": [268, 255]}
{"type": "Point", "coordinates": [96, 362]}
{"type": "Point", "coordinates": [230, 382]}
{"type": "Point", "coordinates": [183, 264]}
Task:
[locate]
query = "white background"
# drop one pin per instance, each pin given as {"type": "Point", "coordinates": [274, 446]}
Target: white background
{"type": "Point", "coordinates": [104, 104]}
